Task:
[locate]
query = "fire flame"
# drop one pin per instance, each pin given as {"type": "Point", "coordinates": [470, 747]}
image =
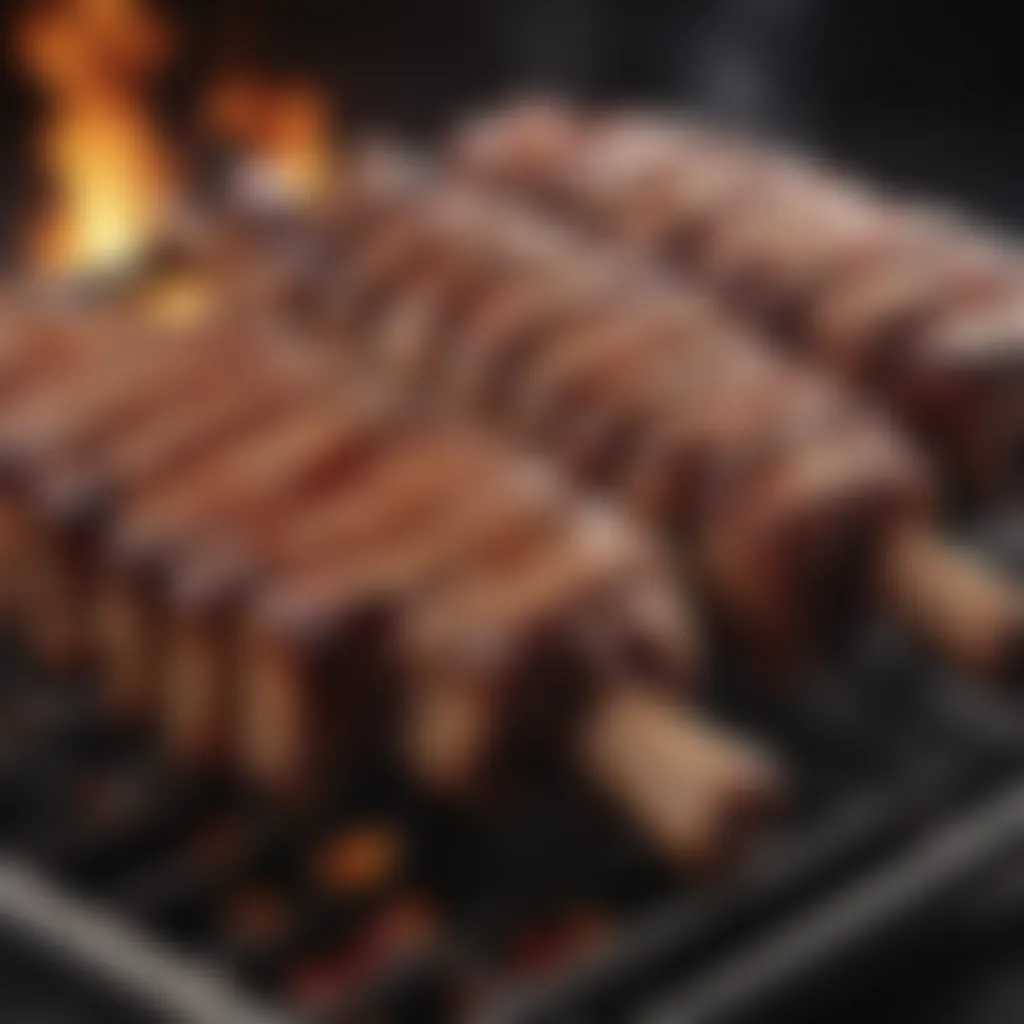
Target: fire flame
{"type": "Point", "coordinates": [105, 160]}
{"type": "Point", "coordinates": [280, 127]}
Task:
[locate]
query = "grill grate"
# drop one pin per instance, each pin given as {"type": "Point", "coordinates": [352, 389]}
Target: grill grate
{"type": "Point", "coordinates": [390, 905]}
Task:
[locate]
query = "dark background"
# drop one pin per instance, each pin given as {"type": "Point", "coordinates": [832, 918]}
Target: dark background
{"type": "Point", "coordinates": [923, 92]}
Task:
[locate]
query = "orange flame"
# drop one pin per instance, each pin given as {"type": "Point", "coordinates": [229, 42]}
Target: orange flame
{"type": "Point", "coordinates": [107, 167]}
{"type": "Point", "coordinates": [281, 126]}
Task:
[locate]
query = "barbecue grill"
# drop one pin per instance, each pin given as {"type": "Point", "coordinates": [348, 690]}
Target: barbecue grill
{"type": "Point", "coordinates": [137, 891]}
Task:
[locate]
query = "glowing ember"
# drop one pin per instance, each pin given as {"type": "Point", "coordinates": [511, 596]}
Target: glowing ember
{"type": "Point", "coordinates": [107, 168]}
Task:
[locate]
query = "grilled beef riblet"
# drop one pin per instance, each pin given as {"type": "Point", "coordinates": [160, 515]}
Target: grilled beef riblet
{"type": "Point", "coordinates": [790, 496]}
{"type": "Point", "coordinates": [919, 311]}
{"type": "Point", "coordinates": [250, 548]}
